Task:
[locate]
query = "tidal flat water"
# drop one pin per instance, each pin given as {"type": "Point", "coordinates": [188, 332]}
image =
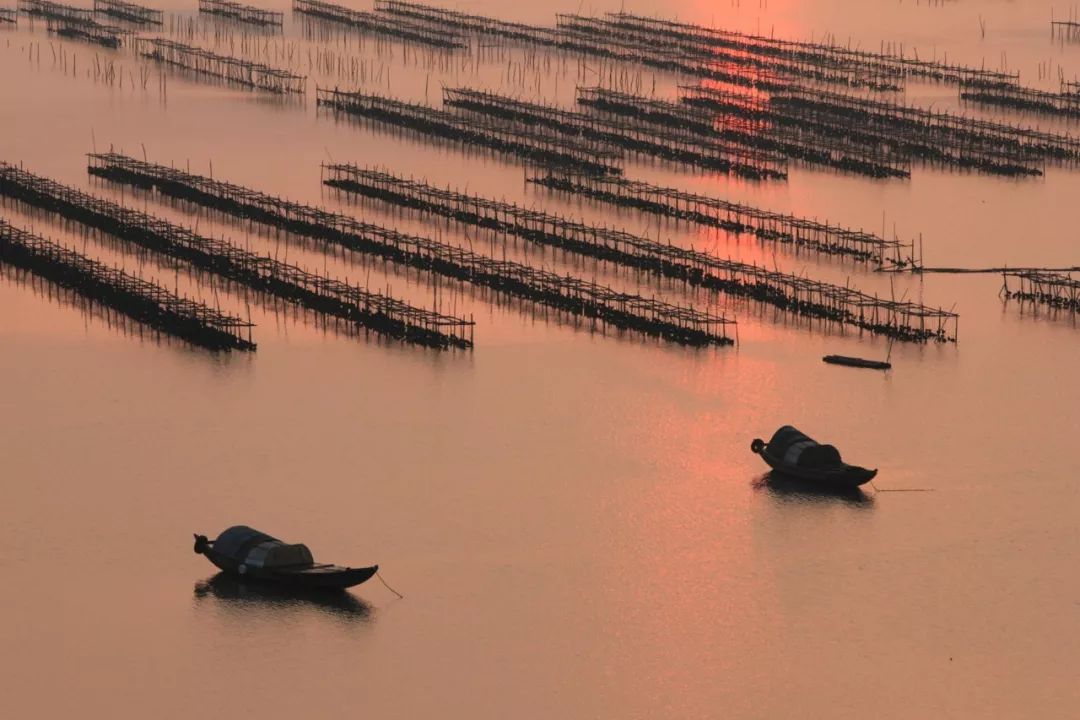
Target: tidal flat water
{"type": "Point", "coordinates": [572, 512]}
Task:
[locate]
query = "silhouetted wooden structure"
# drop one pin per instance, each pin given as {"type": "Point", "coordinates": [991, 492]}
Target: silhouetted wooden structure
{"type": "Point", "coordinates": [90, 31]}
{"type": "Point", "coordinates": [129, 12]}
{"type": "Point", "coordinates": [241, 13]}
{"type": "Point", "coordinates": [904, 133]}
{"type": "Point", "coordinates": [1065, 30]}
{"type": "Point", "coordinates": [563, 293]}
{"type": "Point", "coordinates": [73, 22]}
{"type": "Point", "coordinates": [730, 216]}
{"type": "Point", "coordinates": [959, 132]}
{"type": "Point", "coordinates": [143, 301]}
{"type": "Point", "coordinates": [821, 55]}
{"type": "Point", "coordinates": [799, 295]}
{"type": "Point", "coordinates": [312, 291]}
{"type": "Point", "coordinates": [737, 58]}
{"type": "Point", "coordinates": [669, 144]}
{"type": "Point", "coordinates": [222, 67]}
{"type": "Point", "coordinates": [54, 10]}
{"type": "Point", "coordinates": [660, 45]}
{"type": "Point", "coordinates": [380, 24]}
{"type": "Point", "coordinates": [9, 16]}
{"type": "Point", "coordinates": [1016, 97]}
{"type": "Point", "coordinates": [490, 30]}
{"type": "Point", "coordinates": [836, 153]}
{"type": "Point", "coordinates": [1055, 289]}
{"type": "Point", "coordinates": [544, 148]}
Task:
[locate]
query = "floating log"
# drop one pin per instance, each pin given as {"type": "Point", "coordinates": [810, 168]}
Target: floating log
{"type": "Point", "coordinates": [141, 300]}
{"type": "Point", "coordinates": [318, 293]}
{"type": "Point", "coordinates": [857, 362]}
{"type": "Point", "coordinates": [564, 293]}
{"type": "Point", "coordinates": [379, 24]}
{"type": "Point", "coordinates": [795, 294]}
{"type": "Point", "coordinates": [730, 216]}
{"type": "Point", "coordinates": [539, 147]}
{"type": "Point", "coordinates": [814, 150]}
{"type": "Point", "coordinates": [672, 144]}
{"type": "Point", "coordinates": [241, 13]}
{"type": "Point", "coordinates": [54, 10]}
{"type": "Point", "coordinates": [1055, 289]}
{"type": "Point", "coordinates": [129, 12]}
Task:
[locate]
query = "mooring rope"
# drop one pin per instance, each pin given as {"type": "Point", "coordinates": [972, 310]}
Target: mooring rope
{"type": "Point", "coordinates": [388, 585]}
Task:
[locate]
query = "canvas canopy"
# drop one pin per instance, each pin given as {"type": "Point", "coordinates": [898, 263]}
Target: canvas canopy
{"type": "Point", "coordinates": [277, 554]}
{"type": "Point", "coordinates": [257, 549]}
{"type": "Point", "coordinates": [796, 449]}
{"type": "Point", "coordinates": [238, 540]}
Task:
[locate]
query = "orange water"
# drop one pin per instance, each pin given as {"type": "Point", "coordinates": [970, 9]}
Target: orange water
{"type": "Point", "coordinates": [574, 517]}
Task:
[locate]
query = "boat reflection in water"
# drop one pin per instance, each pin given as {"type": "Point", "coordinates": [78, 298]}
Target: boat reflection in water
{"type": "Point", "coordinates": [244, 594]}
{"type": "Point", "coordinates": [792, 490]}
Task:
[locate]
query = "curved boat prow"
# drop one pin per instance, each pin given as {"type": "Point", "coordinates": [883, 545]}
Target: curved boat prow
{"type": "Point", "coordinates": [325, 577]}
{"type": "Point", "coordinates": [355, 576]}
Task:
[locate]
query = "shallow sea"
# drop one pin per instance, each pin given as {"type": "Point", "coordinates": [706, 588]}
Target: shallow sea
{"type": "Point", "coordinates": [573, 514]}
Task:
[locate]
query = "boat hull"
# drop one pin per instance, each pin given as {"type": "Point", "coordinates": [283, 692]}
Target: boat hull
{"type": "Point", "coordinates": [314, 577]}
{"type": "Point", "coordinates": [842, 477]}
{"type": "Point", "coordinates": [322, 578]}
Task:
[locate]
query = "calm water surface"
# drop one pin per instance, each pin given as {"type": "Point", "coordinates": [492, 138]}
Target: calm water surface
{"type": "Point", "coordinates": [574, 517]}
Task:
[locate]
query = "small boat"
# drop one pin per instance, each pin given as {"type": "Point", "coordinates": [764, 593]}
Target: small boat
{"type": "Point", "coordinates": [793, 454]}
{"type": "Point", "coordinates": [857, 362]}
{"type": "Point", "coordinates": [244, 551]}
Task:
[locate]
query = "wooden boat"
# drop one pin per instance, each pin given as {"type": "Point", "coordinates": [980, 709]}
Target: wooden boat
{"type": "Point", "coordinates": [794, 455]}
{"type": "Point", "coordinates": [857, 362]}
{"type": "Point", "coordinates": [243, 551]}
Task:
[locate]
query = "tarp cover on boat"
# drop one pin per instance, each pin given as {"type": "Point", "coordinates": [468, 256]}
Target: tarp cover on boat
{"type": "Point", "coordinates": [277, 554]}
{"type": "Point", "coordinates": [796, 449]}
{"type": "Point", "coordinates": [257, 549]}
{"type": "Point", "coordinates": [238, 540]}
